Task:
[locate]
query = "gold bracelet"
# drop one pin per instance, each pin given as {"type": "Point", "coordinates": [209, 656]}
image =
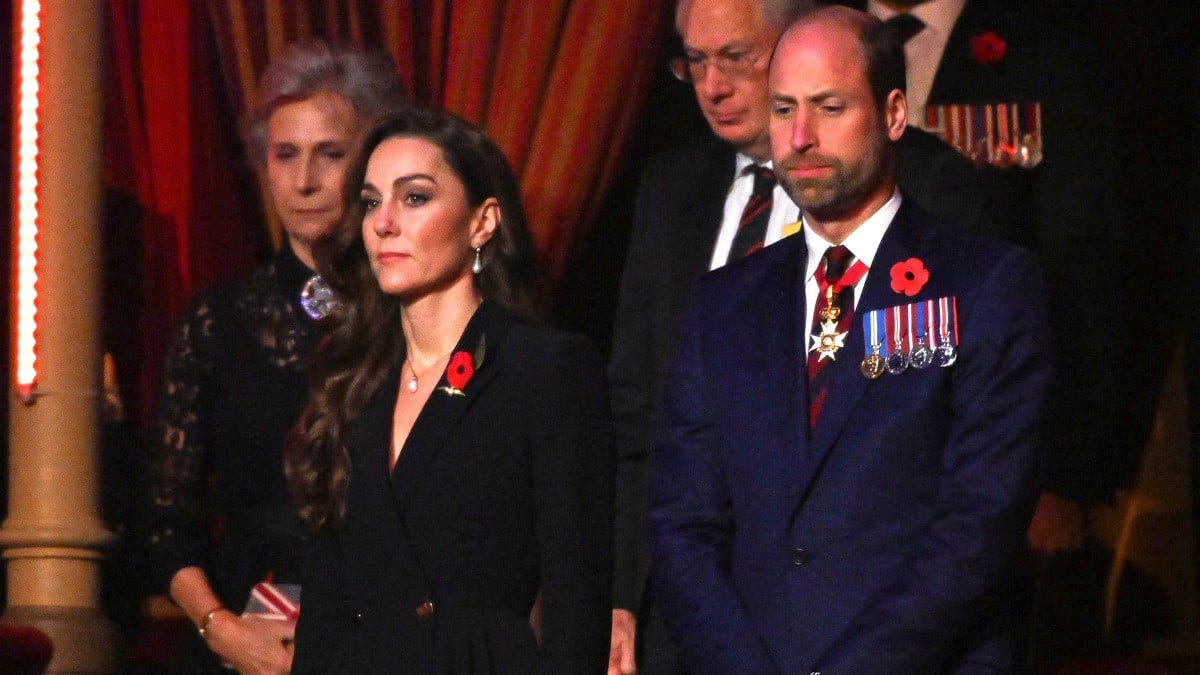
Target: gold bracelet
{"type": "Point", "coordinates": [203, 629]}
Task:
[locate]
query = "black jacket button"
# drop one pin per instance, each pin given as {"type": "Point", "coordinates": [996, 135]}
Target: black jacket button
{"type": "Point", "coordinates": [358, 618]}
{"type": "Point", "coordinates": [424, 610]}
{"type": "Point", "coordinates": [800, 557]}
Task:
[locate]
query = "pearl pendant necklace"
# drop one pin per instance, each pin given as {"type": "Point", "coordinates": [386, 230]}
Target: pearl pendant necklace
{"type": "Point", "coordinates": [413, 384]}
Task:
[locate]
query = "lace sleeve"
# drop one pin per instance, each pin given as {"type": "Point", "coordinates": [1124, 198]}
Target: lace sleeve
{"type": "Point", "coordinates": [177, 534]}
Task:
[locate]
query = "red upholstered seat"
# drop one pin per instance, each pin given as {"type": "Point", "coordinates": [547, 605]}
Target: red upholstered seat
{"type": "Point", "coordinates": [24, 650]}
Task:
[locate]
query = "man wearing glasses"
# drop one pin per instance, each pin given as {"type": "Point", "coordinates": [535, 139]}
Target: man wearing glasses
{"type": "Point", "coordinates": [699, 207]}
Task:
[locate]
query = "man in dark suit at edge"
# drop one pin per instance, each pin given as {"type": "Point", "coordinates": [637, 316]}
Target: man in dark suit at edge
{"type": "Point", "coordinates": [689, 207]}
{"type": "Point", "coordinates": [1067, 210]}
{"type": "Point", "coordinates": [835, 493]}
{"type": "Point", "coordinates": [688, 212]}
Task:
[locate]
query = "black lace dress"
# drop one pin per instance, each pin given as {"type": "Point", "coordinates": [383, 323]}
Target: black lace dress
{"type": "Point", "coordinates": [233, 385]}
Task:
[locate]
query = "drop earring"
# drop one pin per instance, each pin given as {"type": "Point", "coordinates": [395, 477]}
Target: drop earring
{"type": "Point", "coordinates": [478, 266]}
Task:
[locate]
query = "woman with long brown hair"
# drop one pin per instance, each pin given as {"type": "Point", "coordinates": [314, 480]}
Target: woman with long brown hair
{"type": "Point", "coordinates": [456, 458]}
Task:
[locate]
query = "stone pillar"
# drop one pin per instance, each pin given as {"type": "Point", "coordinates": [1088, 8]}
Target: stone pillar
{"type": "Point", "coordinates": [54, 535]}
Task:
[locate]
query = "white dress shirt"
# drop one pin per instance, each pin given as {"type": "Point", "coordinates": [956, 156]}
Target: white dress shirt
{"type": "Point", "coordinates": [783, 212]}
{"type": "Point", "coordinates": [863, 242]}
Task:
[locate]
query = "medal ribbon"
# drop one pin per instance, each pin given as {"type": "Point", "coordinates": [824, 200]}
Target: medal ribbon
{"type": "Point", "coordinates": [851, 277]}
{"type": "Point", "coordinates": [978, 128]}
{"type": "Point", "coordinates": [871, 328]}
{"type": "Point", "coordinates": [947, 320]}
{"type": "Point", "coordinates": [900, 329]}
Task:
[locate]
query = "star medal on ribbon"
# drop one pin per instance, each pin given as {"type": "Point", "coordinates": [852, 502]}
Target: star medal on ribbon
{"type": "Point", "coordinates": [830, 340]}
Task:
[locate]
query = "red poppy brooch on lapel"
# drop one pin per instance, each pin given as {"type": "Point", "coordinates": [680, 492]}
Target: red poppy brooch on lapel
{"type": "Point", "coordinates": [458, 373]}
{"type": "Point", "coordinates": [461, 369]}
{"type": "Point", "coordinates": [909, 276]}
{"type": "Point", "coordinates": [988, 48]}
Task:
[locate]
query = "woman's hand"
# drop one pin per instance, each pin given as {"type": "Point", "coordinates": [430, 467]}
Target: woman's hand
{"type": "Point", "coordinates": [252, 645]}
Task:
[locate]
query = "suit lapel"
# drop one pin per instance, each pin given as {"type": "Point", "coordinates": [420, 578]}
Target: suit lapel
{"type": "Point", "coordinates": [770, 375]}
{"type": "Point", "coordinates": [698, 236]}
{"type": "Point", "coordinates": [848, 384]}
{"type": "Point", "coordinates": [373, 432]}
{"type": "Point", "coordinates": [440, 417]}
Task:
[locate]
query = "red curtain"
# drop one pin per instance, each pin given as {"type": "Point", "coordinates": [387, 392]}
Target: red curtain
{"type": "Point", "coordinates": [559, 84]}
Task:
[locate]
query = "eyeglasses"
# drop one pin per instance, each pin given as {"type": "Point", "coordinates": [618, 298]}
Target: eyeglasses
{"type": "Point", "coordinates": [733, 63]}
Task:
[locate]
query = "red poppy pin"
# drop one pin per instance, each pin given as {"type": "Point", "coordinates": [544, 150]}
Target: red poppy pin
{"type": "Point", "coordinates": [462, 368]}
{"type": "Point", "coordinates": [909, 276]}
{"type": "Point", "coordinates": [988, 48]}
{"type": "Point", "coordinates": [458, 373]}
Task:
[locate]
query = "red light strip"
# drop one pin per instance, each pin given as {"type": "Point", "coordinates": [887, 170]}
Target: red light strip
{"type": "Point", "coordinates": [27, 197]}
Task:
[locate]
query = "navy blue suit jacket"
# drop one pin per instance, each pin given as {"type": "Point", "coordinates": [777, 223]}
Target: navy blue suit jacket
{"type": "Point", "coordinates": [885, 542]}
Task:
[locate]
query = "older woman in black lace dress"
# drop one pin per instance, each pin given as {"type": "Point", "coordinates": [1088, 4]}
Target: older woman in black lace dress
{"type": "Point", "coordinates": [234, 381]}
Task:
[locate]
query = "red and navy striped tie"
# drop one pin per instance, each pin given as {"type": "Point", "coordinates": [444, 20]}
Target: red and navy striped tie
{"type": "Point", "coordinates": [836, 260]}
{"type": "Point", "coordinates": [752, 228]}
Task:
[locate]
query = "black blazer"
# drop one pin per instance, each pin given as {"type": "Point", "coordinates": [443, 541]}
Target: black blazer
{"type": "Point", "coordinates": [676, 220]}
{"type": "Point", "coordinates": [500, 494]}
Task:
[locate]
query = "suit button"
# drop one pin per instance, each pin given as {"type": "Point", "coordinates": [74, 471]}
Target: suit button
{"type": "Point", "coordinates": [800, 557]}
{"type": "Point", "coordinates": [358, 618]}
{"type": "Point", "coordinates": [424, 610]}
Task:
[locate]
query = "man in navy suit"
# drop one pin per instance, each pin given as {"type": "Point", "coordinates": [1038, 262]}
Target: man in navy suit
{"type": "Point", "coordinates": [868, 520]}
{"type": "Point", "coordinates": [689, 204]}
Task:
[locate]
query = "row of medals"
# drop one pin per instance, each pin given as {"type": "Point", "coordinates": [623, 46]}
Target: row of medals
{"type": "Point", "coordinates": [875, 364]}
{"type": "Point", "coordinates": [897, 361]}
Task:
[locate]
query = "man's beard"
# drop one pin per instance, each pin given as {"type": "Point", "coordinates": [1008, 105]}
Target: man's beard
{"type": "Point", "coordinates": [844, 191]}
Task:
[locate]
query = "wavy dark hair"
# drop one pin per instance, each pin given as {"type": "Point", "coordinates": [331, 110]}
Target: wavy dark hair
{"type": "Point", "coordinates": [363, 343]}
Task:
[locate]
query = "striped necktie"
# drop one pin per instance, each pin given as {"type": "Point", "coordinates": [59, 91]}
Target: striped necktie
{"type": "Point", "coordinates": [841, 276]}
{"type": "Point", "coordinates": [752, 228]}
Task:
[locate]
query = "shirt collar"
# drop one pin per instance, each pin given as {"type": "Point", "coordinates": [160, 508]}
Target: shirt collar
{"type": "Point", "coordinates": [743, 161]}
{"type": "Point", "coordinates": [937, 15]}
{"type": "Point", "coordinates": [863, 242]}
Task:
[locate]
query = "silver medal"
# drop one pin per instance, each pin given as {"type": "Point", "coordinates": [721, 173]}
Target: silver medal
{"type": "Point", "coordinates": [922, 356]}
{"type": "Point", "coordinates": [896, 361]}
{"type": "Point", "coordinates": [946, 353]}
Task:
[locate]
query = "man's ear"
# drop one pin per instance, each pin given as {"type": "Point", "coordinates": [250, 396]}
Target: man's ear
{"type": "Point", "coordinates": [895, 114]}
